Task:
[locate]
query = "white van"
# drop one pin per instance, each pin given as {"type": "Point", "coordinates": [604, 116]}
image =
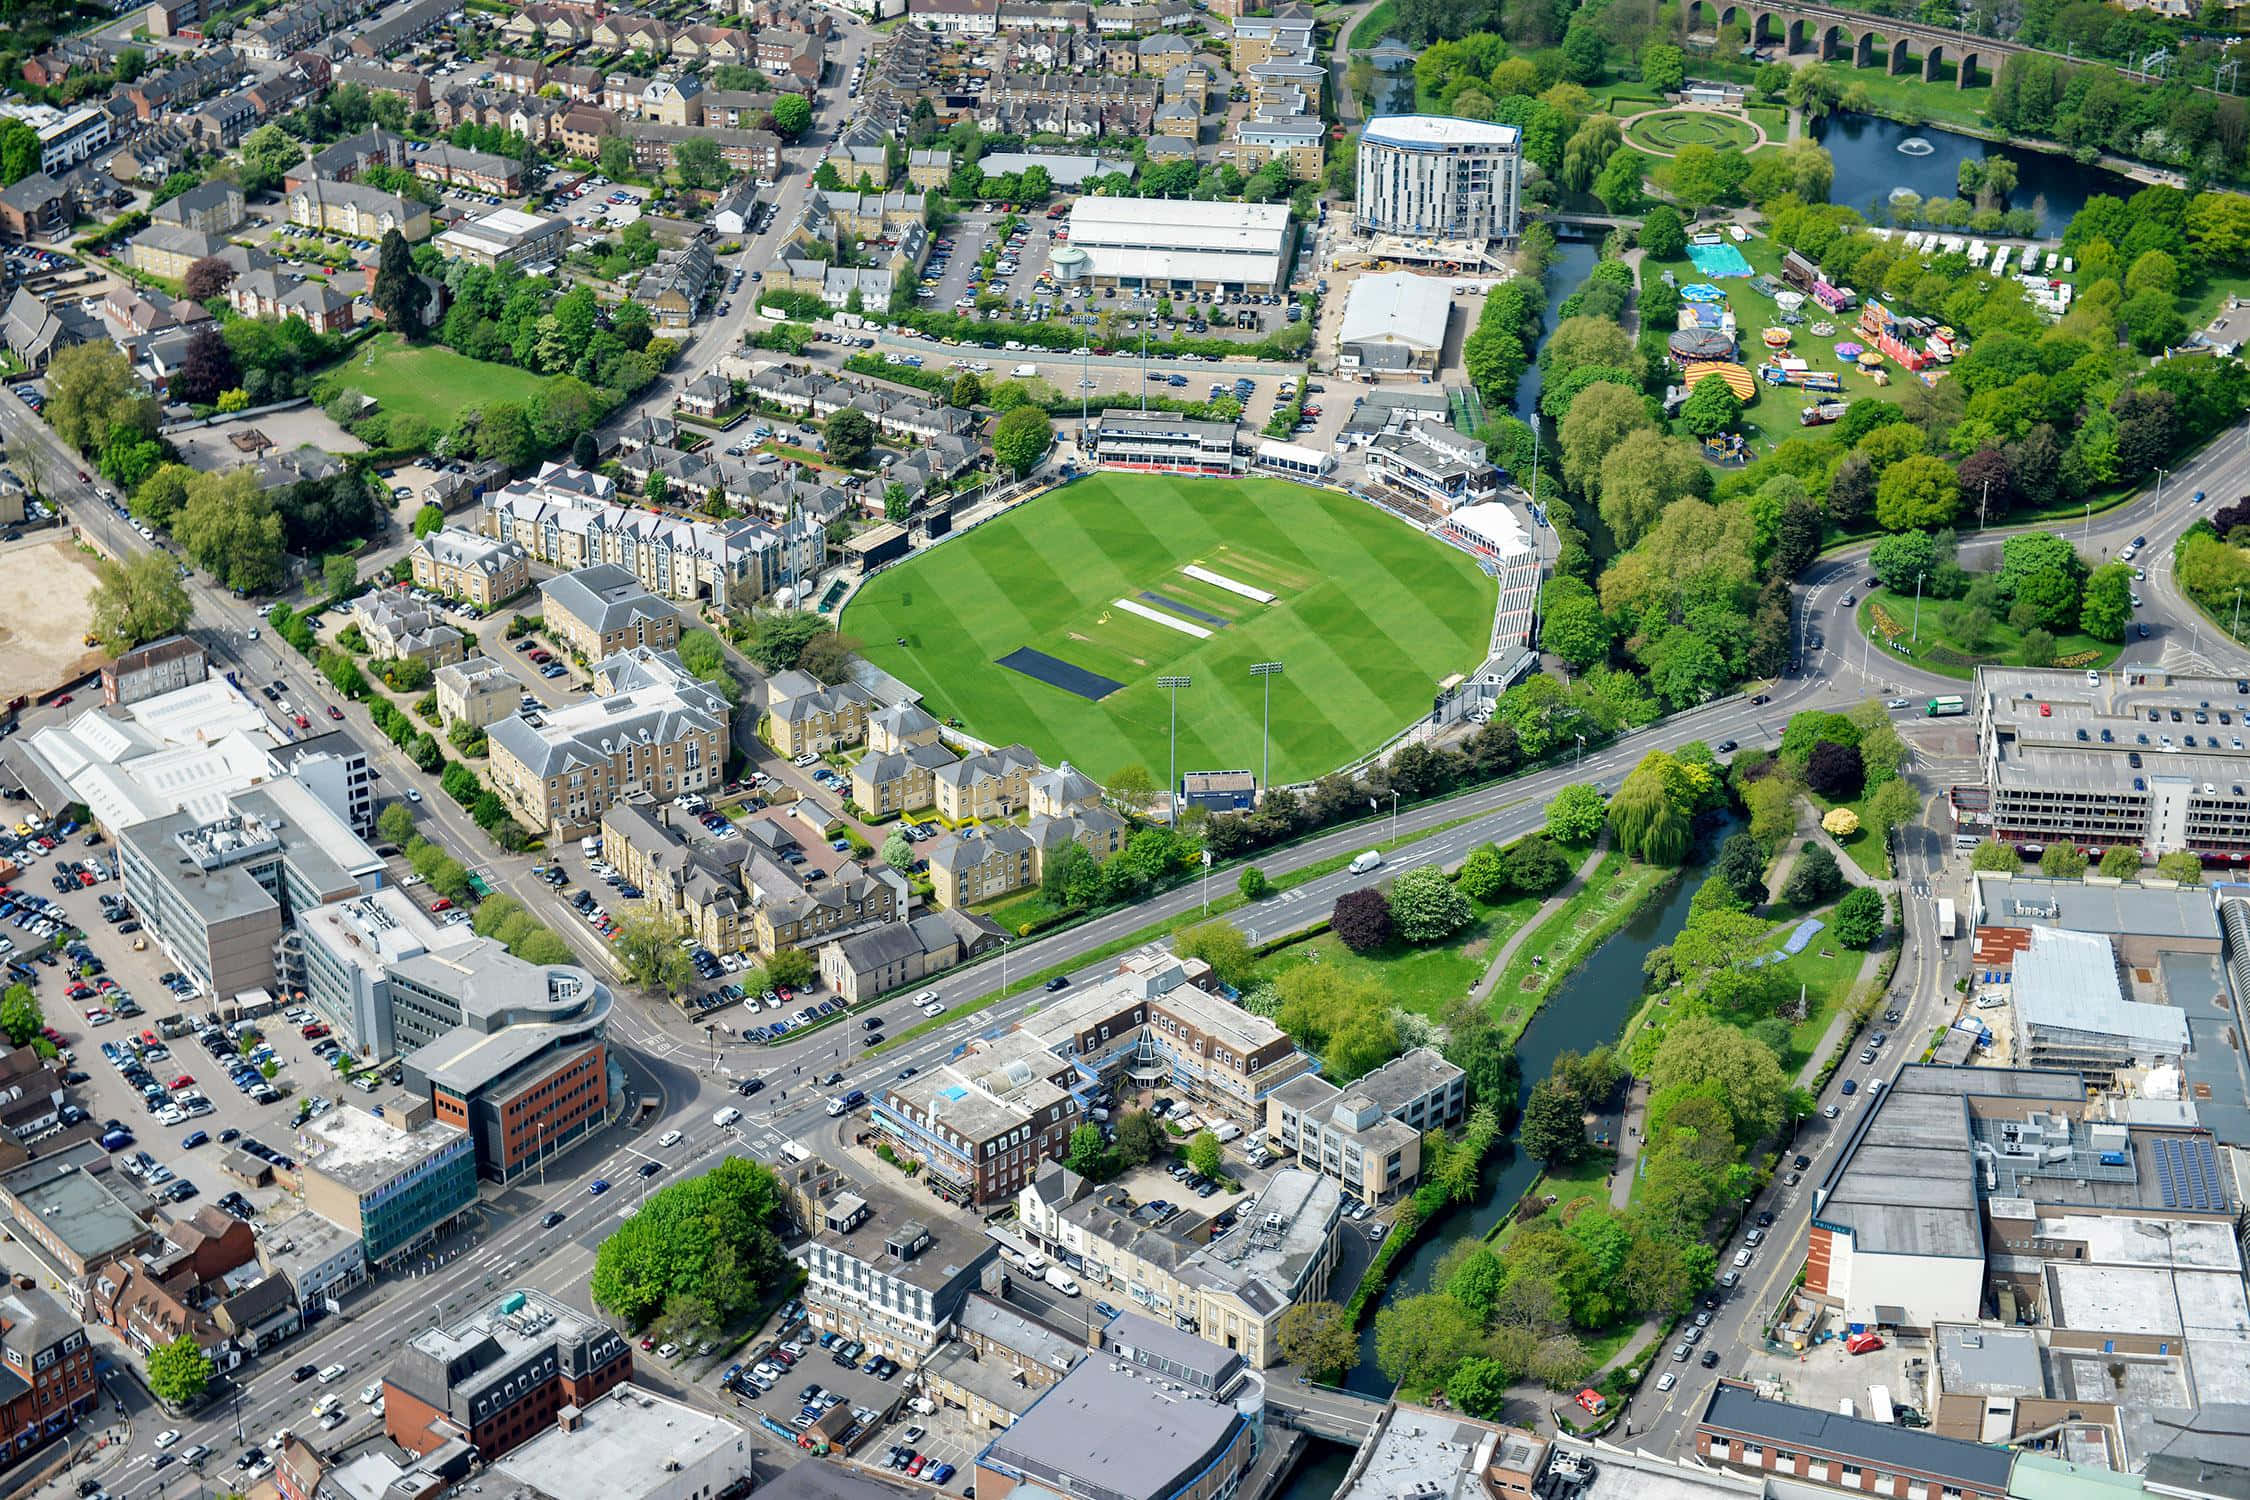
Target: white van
{"type": "Point", "coordinates": [726, 1117]}
{"type": "Point", "coordinates": [1226, 1130]}
{"type": "Point", "coordinates": [1366, 860]}
{"type": "Point", "coordinates": [1024, 372]}
{"type": "Point", "coordinates": [590, 846]}
{"type": "Point", "coordinates": [1062, 1281]}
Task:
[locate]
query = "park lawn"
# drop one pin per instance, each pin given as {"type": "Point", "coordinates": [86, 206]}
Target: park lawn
{"type": "Point", "coordinates": [1827, 971]}
{"type": "Point", "coordinates": [1902, 98]}
{"type": "Point", "coordinates": [1865, 848]}
{"type": "Point", "coordinates": [1774, 414]}
{"type": "Point", "coordinates": [1936, 649]}
{"type": "Point", "coordinates": [1370, 616]}
{"type": "Point", "coordinates": [429, 381]}
{"type": "Point", "coordinates": [1423, 980]}
{"type": "Point", "coordinates": [1664, 134]}
{"type": "Point", "coordinates": [1607, 900]}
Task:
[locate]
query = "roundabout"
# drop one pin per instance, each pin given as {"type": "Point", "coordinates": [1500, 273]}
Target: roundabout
{"type": "Point", "coordinates": [1664, 132]}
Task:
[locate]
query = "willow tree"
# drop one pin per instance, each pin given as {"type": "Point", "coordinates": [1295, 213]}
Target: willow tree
{"type": "Point", "coordinates": [1648, 822]}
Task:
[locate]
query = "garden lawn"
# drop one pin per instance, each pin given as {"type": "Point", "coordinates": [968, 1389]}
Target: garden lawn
{"type": "Point", "coordinates": [1886, 616]}
{"type": "Point", "coordinates": [1370, 616]}
{"type": "Point", "coordinates": [1865, 848]}
{"type": "Point", "coordinates": [1422, 980]}
{"type": "Point", "coordinates": [430, 381]}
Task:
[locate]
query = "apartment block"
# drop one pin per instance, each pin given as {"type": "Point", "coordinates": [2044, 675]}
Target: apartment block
{"type": "Point", "coordinates": [602, 610]}
{"type": "Point", "coordinates": [1369, 1136]}
{"type": "Point", "coordinates": [654, 730]}
{"type": "Point", "coordinates": [486, 571]}
{"type": "Point", "coordinates": [983, 1124]}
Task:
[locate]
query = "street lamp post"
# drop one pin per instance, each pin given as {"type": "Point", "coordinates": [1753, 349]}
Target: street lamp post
{"type": "Point", "coordinates": [1173, 684]}
{"type": "Point", "coordinates": [1206, 882]}
{"type": "Point", "coordinates": [1266, 671]}
{"type": "Point", "coordinates": [1375, 806]}
{"type": "Point", "coordinates": [1918, 609]}
{"type": "Point", "coordinates": [2236, 632]}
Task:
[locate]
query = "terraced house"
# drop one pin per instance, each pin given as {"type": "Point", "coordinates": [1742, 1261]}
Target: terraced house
{"type": "Point", "coordinates": [602, 610]}
{"type": "Point", "coordinates": [650, 730]}
{"type": "Point", "coordinates": [569, 519]}
{"type": "Point", "coordinates": [789, 914]}
{"type": "Point", "coordinates": [698, 881]}
{"type": "Point", "coordinates": [485, 571]}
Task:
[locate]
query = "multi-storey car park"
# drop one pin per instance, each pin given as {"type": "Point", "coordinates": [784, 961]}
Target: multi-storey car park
{"type": "Point", "coordinates": [2147, 759]}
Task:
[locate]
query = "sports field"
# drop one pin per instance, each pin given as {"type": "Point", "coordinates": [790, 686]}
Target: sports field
{"type": "Point", "coordinates": [1367, 616]}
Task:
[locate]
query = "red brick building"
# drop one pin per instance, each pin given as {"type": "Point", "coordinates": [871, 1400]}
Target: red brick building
{"type": "Point", "coordinates": [46, 1372]}
{"type": "Point", "coordinates": [499, 1377]}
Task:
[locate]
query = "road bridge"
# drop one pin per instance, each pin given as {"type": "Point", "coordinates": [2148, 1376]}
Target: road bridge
{"type": "Point", "coordinates": [1325, 1411]}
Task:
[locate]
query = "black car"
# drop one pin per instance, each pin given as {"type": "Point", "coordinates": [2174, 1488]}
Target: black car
{"type": "Point", "coordinates": [1765, 1219]}
{"type": "Point", "coordinates": [1801, 1162]}
{"type": "Point", "coordinates": [1710, 1359]}
{"type": "Point", "coordinates": [1763, 698]}
{"type": "Point", "coordinates": [303, 1373]}
{"type": "Point", "coordinates": [651, 1168]}
{"type": "Point", "coordinates": [1060, 981]}
{"type": "Point", "coordinates": [1726, 747]}
{"type": "Point", "coordinates": [553, 1218]}
{"type": "Point", "coordinates": [750, 1086]}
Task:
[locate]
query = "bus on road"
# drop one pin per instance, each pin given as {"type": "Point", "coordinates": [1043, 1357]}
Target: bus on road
{"type": "Point", "coordinates": [1947, 706]}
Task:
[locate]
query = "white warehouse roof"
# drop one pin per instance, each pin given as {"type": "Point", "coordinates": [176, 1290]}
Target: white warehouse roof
{"type": "Point", "coordinates": [1155, 239]}
{"type": "Point", "coordinates": [1397, 308]}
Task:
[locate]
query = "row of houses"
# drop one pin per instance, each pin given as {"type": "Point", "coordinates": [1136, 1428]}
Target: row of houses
{"type": "Point", "coordinates": [792, 57]}
{"type": "Point", "coordinates": [581, 127]}
{"type": "Point", "coordinates": [975, 18]}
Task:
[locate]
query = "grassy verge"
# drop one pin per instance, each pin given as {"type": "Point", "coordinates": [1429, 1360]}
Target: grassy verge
{"type": "Point", "coordinates": [1867, 848]}
{"type": "Point", "coordinates": [1891, 619]}
{"type": "Point", "coordinates": [1423, 980]}
{"type": "Point", "coordinates": [1558, 945]}
{"type": "Point", "coordinates": [1221, 904]}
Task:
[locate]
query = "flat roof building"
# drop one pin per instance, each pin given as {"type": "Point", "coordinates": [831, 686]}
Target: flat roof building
{"type": "Point", "coordinates": [1439, 178]}
{"type": "Point", "coordinates": [1179, 244]}
{"type": "Point", "coordinates": [498, 1378]}
{"type": "Point", "coordinates": [1126, 1429]}
{"type": "Point", "coordinates": [398, 1190]}
{"type": "Point", "coordinates": [221, 895]}
{"type": "Point", "coordinates": [632, 1443]}
{"type": "Point", "coordinates": [347, 945]}
{"type": "Point", "coordinates": [1394, 322]}
{"type": "Point", "coordinates": [1166, 442]}
{"type": "Point", "coordinates": [2056, 753]}
{"type": "Point", "coordinates": [73, 1218]}
{"type": "Point", "coordinates": [507, 237]}
{"type": "Point", "coordinates": [1229, 1291]}
{"type": "Point", "coordinates": [515, 1054]}
{"type": "Point", "coordinates": [887, 1271]}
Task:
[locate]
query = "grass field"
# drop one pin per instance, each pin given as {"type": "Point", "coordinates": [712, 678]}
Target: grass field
{"type": "Point", "coordinates": [430, 382]}
{"type": "Point", "coordinates": [1939, 649]}
{"type": "Point", "coordinates": [1369, 617]}
{"type": "Point", "coordinates": [1423, 980]}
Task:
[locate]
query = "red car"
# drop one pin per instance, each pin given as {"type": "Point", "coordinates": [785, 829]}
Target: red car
{"type": "Point", "coordinates": [334, 712]}
{"type": "Point", "coordinates": [648, 1341]}
{"type": "Point", "coordinates": [442, 903]}
{"type": "Point", "coordinates": [84, 477]}
{"type": "Point", "coordinates": [63, 701]}
{"type": "Point", "coordinates": [184, 1081]}
{"type": "Point", "coordinates": [1863, 1343]}
{"type": "Point", "coordinates": [303, 722]}
{"type": "Point", "coordinates": [915, 1467]}
{"type": "Point", "coordinates": [85, 877]}
{"type": "Point", "coordinates": [314, 1032]}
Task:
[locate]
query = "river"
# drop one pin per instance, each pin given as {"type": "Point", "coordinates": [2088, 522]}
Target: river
{"type": "Point", "coordinates": [1574, 262]}
{"type": "Point", "coordinates": [1869, 164]}
{"type": "Point", "coordinates": [1590, 1008]}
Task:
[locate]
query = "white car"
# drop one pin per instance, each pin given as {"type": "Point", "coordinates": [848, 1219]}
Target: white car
{"type": "Point", "coordinates": [167, 1437]}
{"type": "Point", "coordinates": [669, 1138]}
{"type": "Point", "coordinates": [667, 1350]}
{"type": "Point", "coordinates": [332, 1420]}
{"type": "Point", "coordinates": [371, 1393]}
{"type": "Point", "coordinates": [332, 1374]}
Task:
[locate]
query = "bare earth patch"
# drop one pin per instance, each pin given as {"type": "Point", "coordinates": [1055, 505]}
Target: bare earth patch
{"type": "Point", "coordinates": [46, 606]}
